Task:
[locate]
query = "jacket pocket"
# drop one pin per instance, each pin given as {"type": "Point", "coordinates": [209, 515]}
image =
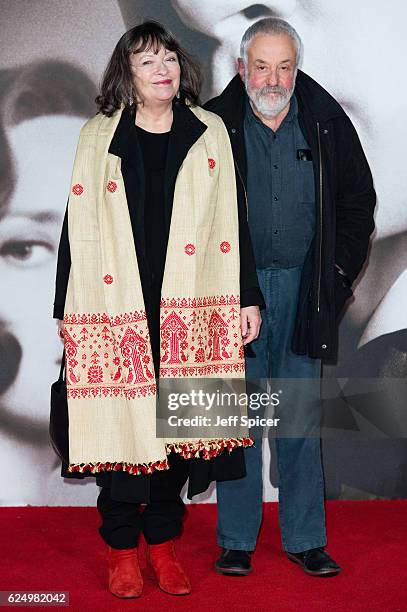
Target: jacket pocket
{"type": "Point", "coordinates": [342, 294]}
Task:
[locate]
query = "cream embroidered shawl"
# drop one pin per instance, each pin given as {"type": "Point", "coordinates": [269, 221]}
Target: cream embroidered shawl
{"type": "Point", "coordinates": [109, 369]}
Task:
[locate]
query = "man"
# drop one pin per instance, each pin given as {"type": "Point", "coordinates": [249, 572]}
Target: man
{"type": "Point", "coordinates": [310, 200]}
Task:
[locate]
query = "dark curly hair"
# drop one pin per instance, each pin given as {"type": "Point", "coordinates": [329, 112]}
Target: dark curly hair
{"type": "Point", "coordinates": [117, 84]}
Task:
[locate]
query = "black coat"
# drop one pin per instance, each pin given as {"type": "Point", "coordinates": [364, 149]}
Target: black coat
{"type": "Point", "coordinates": [344, 206]}
{"type": "Point", "coordinates": [186, 130]}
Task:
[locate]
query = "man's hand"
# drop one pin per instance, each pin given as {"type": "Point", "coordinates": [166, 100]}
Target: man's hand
{"type": "Point", "coordinates": [250, 322]}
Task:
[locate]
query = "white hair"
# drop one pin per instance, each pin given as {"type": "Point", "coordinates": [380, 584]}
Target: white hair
{"type": "Point", "coordinates": [271, 26]}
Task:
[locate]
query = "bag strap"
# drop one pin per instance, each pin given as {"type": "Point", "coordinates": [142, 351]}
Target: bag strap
{"type": "Point", "coordinates": [62, 370]}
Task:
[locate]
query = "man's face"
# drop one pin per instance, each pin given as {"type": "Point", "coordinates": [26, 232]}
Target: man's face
{"type": "Point", "coordinates": [269, 72]}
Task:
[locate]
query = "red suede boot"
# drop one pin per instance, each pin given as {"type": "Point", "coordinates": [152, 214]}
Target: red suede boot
{"type": "Point", "coordinates": [125, 579]}
{"type": "Point", "coordinates": [170, 576]}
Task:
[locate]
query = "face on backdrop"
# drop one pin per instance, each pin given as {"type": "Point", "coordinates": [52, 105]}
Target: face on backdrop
{"type": "Point", "coordinates": [156, 75]}
{"type": "Point", "coordinates": [29, 238]}
{"type": "Point", "coordinates": [356, 52]}
{"type": "Point", "coordinates": [225, 21]}
{"type": "Point", "coordinates": [216, 18]}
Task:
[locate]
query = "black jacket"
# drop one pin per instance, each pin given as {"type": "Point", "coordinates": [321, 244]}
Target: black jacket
{"type": "Point", "coordinates": [345, 202]}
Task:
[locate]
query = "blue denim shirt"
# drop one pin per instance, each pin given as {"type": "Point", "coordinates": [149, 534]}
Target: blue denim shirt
{"type": "Point", "coordinates": [280, 190]}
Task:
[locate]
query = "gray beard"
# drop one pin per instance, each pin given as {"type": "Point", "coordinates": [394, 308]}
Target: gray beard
{"type": "Point", "coordinates": [266, 106]}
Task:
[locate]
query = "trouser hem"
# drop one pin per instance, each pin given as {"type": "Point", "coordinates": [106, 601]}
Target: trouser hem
{"type": "Point", "coordinates": [233, 545]}
{"type": "Point", "coordinates": [298, 547]}
{"type": "Point", "coordinates": [126, 543]}
{"type": "Point", "coordinates": [164, 535]}
{"type": "Point", "coordinates": [120, 544]}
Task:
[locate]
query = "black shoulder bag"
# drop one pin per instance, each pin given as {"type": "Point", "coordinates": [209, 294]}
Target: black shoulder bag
{"type": "Point", "coordinates": [59, 419]}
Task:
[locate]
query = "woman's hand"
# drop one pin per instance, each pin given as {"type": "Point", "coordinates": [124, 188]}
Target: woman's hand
{"type": "Point", "coordinates": [250, 322]}
{"type": "Point", "coordinates": [60, 330]}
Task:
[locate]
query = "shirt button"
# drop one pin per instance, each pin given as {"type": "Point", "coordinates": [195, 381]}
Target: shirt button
{"type": "Point", "coordinates": [324, 346]}
{"type": "Point", "coordinates": [275, 198]}
{"type": "Point", "coordinates": [233, 131]}
{"type": "Point", "coordinates": [275, 167]}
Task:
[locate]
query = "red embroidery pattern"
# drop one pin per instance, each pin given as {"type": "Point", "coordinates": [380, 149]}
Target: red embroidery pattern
{"type": "Point", "coordinates": [71, 353]}
{"type": "Point", "coordinates": [215, 300]}
{"type": "Point", "coordinates": [225, 247]}
{"type": "Point", "coordinates": [211, 163]}
{"type": "Point", "coordinates": [95, 374]}
{"type": "Point", "coordinates": [108, 356]}
{"type": "Point", "coordinates": [133, 393]}
{"type": "Point", "coordinates": [111, 186]}
{"type": "Point", "coordinates": [134, 349]}
{"type": "Point", "coordinates": [200, 336]}
{"type": "Point", "coordinates": [108, 279]}
{"type": "Point", "coordinates": [190, 249]}
{"type": "Point", "coordinates": [96, 319]}
{"type": "Point", "coordinates": [77, 189]}
{"type": "Point", "coordinates": [202, 371]}
{"type": "Point", "coordinates": [173, 333]}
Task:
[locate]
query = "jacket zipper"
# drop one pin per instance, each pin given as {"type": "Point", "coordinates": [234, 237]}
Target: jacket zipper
{"type": "Point", "coordinates": [244, 189]}
{"type": "Point", "coordinates": [320, 218]}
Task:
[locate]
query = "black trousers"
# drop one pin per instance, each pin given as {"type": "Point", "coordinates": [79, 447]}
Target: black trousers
{"type": "Point", "coordinates": [161, 519]}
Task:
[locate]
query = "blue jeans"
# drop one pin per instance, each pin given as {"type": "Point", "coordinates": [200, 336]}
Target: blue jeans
{"type": "Point", "coordinates": [301, 484]}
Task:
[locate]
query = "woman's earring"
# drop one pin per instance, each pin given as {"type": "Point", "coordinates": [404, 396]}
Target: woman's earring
{"type": "Point", "coordinates": [178, 94]}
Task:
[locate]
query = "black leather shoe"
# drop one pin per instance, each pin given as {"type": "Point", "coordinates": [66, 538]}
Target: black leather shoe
{"type": "Point", "coordinates": [234, 563]}
{"type": "Point", "coordinates": [315, 562]}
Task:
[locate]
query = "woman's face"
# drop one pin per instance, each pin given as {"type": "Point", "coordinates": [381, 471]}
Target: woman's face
{"type": "Point", "coordinates": [43, 151]}
{"type": "Point", "coordinates": [156, 76]}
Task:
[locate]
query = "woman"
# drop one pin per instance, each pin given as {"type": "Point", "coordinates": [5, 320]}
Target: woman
{"type": "Point", "coordinates": [147, 285]}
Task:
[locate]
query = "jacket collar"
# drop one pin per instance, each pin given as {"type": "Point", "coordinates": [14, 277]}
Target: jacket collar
{"type": "Point", "coordinates": [185, 131]}
{"type": "Point", "coordinates": [123, 141]}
